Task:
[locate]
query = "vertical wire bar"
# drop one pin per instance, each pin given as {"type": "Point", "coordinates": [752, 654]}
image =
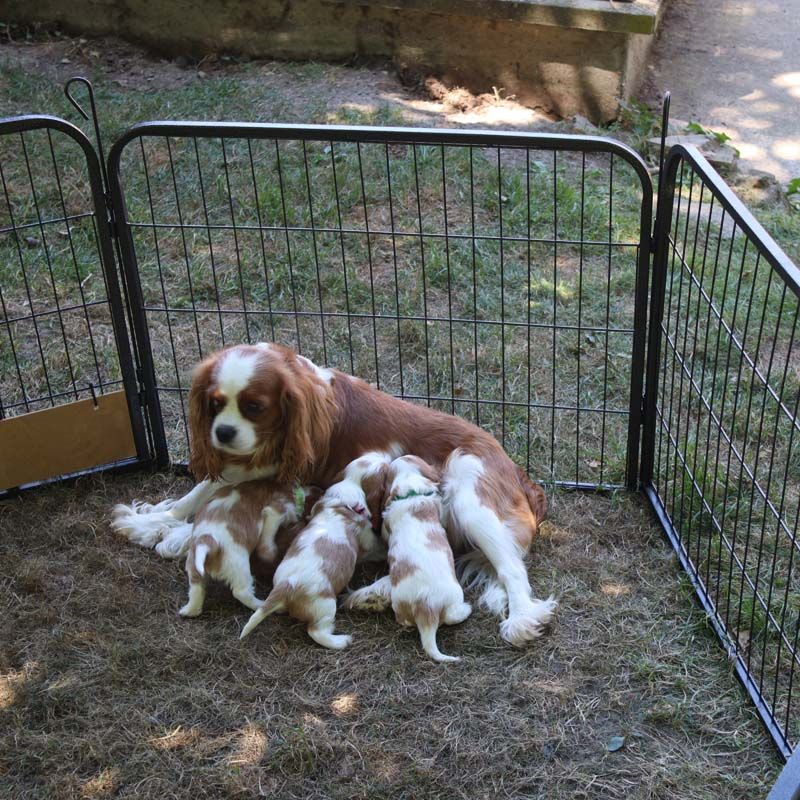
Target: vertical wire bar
{"type": "Point", "coordinates": [209, 239]}
{"type": "Point", "coordinates": [669, 243]}
{"type": "Point", "coordinates": [49, 263]}
{"type": "Point", "coordinates": [425, 283]}
{"type": "Point", "coordinates": [580, 322]}
{"type": "Point", "coordinates": [449, 284]}
{"type": "Point", "coordinates": [674, 409]}
{"type": "Point", "coordinates": [26, 284]}
{"type": "Point", "coordinates": [608, 315]}
{"type": "Point", "coordinates": [528, 298]}
{"type": "Point", "coordinates": [261, 238]}
{"type": "Point", "coordinates": [236, 240]}
{"type": "Point", "coordinates": [163, 285]}
{"type": "Point", "coordinates": [725, 388]}
{"type": "Point", "coordinates": [686, 525]}
{"type": "Point", "coordinates": [23, 393]}
{"type": "Point", "coordinates": [316, 255]}
{"type": "Point", "coordinates": [186, 259]}
{"type": "Point", "coordinates": [748, 532]}
{"type": "Point", "coordinates": [747, 422]}
{"type": "Point", "coordinates": [475, 296]}
{"type": "Point", "coordinates": [369, 259]}
{"type": "Point", "coordinates": [288, 246]}
{"type": "Point", "coordinates": [792, 551]}
{"type": "Point", "coordinates": [555, 320]}
{"type": "Point", "coordinates": [344, 259]}
{"type": "Point", "coordinates": [768, 485]}
{"type": "Point", "coordinates": [74, 256]}
{"type": "Point", "coordinates": [394, 262]}
{"type": "Point", "coordinates": [714, 374]}
{"type": "Point", "coordinates": [794, 647]}
{"type": "Point", "coordinates": [502, 298]}
{"type": "Point", "coordinates": [190, 284]}
{"type": "Point", "coordinates": [698, 426]}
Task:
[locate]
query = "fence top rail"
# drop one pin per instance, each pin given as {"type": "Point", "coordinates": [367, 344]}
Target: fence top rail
{"type": "Point", "coordinates": [736, 209]}
{"type": "Point", "coordinates": [36, 122]}
{"type": "Point", "coordinates": [378, 134]}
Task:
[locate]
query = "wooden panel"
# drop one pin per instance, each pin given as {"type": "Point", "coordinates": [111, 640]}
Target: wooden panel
{"type": "Point", "coordinates": [64, 439]}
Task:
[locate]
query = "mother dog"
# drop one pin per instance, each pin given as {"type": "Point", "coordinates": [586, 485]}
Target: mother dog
{"type": "Point", "coordinates": [262, 410]}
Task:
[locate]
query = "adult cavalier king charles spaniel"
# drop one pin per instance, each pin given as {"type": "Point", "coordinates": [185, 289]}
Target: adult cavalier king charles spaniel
{"type": "Point", "coordinates": [264, 411]}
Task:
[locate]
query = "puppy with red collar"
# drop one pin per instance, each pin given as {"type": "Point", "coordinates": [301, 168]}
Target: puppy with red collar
{"type": "Point", "coordinates": [252, 518]}
{"type": "Point", "coordinates": [320, 562]}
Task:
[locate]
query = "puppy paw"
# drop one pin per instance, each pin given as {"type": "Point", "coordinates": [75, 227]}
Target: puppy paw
{"type": "Point", "coordinates": [189, 610]}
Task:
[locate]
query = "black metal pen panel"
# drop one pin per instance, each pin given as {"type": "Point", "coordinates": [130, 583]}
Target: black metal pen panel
{"type": "Point", "coordinates": [722, 431]}
{"type": "Point", "coordinates": [62, 319]}
{"type": "Point", "coordinates": [502, 277]}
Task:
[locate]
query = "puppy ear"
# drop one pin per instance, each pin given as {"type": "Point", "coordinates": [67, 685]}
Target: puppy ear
{"type": "Point", "coordinates": [204, 460]}
{"type": "Point", "coordinates": [428, 471]}
{"type": "Point", "coordinates": [374, 486]}
{"type": "Point", "coordinates": [307, 407]}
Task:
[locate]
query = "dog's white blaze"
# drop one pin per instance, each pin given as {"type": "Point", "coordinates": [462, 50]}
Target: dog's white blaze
{"type": "Point", "coordinates": [235, 373]}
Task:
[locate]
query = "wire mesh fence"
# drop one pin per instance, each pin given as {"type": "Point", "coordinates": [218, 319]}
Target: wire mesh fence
{"type": "Point", "coordinates": [489, 276]}
{"type": "Point", "coordinates": [726, 450]}
{"type": "Point", "coordinates": [57, 330]}
{"type": "Point", "coordinates": [502, 277]}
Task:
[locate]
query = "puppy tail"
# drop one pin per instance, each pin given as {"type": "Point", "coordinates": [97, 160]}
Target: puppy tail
{"type": "Point", "coordinates": [274, 603]}
{"type": "Point", "coordinates": [427, 624]}
{"type": "Point", "coordinates": [205, 546]}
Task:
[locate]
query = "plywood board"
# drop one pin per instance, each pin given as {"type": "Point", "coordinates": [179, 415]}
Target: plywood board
{"type": "Point", "coordinates": [68, 438]}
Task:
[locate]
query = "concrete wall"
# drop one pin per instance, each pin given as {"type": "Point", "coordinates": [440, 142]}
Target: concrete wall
{"type": "Point", "coordinates": [568, 56]}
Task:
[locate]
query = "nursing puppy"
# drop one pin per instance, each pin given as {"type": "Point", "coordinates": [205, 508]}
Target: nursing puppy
{"type": "Point", "coordinates": [422, 586]}
{"type": "Point", "coordinates": [254, 518]}
{"type": "Point", "coordinates": [322, 559]}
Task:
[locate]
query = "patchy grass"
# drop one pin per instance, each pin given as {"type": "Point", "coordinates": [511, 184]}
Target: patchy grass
{"type": "Point", "coordinates": [107, 692]}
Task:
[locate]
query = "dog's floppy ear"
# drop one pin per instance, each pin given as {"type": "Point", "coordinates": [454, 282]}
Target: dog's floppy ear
{"type": "Point", "coordinates": [428, 471]}
{"type": "Point", "coordinates": [374, 485]}
{"type": "Point", "coordinates": [307, 408]}
{"type": "Point", "coordinates": [204, 460]}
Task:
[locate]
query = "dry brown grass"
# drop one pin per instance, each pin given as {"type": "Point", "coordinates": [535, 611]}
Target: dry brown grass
{"type": "Point", "coordinates": [106, 692]}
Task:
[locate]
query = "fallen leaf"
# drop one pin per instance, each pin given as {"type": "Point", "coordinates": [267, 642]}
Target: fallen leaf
{"type": "Point", "coordinates": [594, 464]}
{"type": "Point", "coordinates": [615, 743]}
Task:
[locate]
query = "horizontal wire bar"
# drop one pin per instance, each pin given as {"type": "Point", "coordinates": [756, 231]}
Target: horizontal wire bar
{"type": "Point", "coordinates": [739, 456]}
{"type": "Point", "coordinates": [390, 317]}
{"type": "Point", "coordinates": [53, 221]}
{"type": "Point", "coordinates": [376, 232]}
{"type": "Point", "coordinates": [741, 567]}
{"type": "Point", "coordinates": [81, 389]}
{"type": "Point", "coordinates": [50, 312]}
{"type": "Point", "coordinates": [732, 336]}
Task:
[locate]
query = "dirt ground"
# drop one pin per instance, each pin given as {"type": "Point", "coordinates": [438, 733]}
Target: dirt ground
{"type": "Point", "coordinates": [106, 692]}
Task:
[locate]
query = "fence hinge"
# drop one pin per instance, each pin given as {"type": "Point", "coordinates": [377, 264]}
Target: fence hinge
{"type": "Point", "coordinates": [652, 244]}
{"type": "Point", "coordinates": [110, 220]}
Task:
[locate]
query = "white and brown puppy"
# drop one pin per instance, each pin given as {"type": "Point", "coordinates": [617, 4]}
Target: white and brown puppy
{"type": "Point", "coordinates": [252, 518]}
{"type": "Point", "coordinates": [422, 585]}
{"type": "Point", "coordinates": [322, 559]}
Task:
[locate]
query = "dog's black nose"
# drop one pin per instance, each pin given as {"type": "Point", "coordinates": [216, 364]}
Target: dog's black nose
{"type": "Point", "coordinates": [226, 433]}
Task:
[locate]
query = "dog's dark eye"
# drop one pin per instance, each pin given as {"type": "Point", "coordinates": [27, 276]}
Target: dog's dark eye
{"type": "Point", "coordinates": [215, 404]}
{"type": "Point", "coordinates": [253, 408]}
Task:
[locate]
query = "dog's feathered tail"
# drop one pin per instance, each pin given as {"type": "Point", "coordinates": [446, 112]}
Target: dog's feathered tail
{"type": "Point", "coordinates": [274, 603]}
{"type": "Point", "coordinates": [537, 499]}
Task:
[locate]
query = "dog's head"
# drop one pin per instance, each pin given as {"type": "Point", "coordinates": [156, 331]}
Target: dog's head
{"type": "Point", "coordinates": [259, 406]}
